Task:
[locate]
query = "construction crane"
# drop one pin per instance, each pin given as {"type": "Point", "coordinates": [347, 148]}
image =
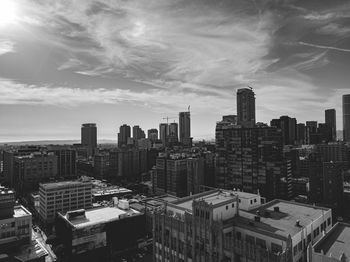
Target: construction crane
{"type": "Point", "coordinates": [167, 119]}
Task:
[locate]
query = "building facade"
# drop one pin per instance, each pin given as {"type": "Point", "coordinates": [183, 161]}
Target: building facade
{"type": "Point", "coordinates": [185, 128]}
{"type": "Point", "coordinates": [331, 121]}
{"type": "Point", "coordinates": [346, 118]}
{"type": "Point", "coordinates": [63, 197]}
{"type": "Point", "coordinates": [221, 225]}
{"type": "Point", "coordinates": [246, 107]}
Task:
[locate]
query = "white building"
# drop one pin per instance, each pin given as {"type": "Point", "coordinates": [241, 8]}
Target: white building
{"type": "Point", "coordinates": [64, 196]}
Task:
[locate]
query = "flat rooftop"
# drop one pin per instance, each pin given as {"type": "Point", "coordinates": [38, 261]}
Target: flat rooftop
{"type": "Point", "coordinates": [99, 216]}
{"type": "Point", "coordinates": [213, 197]}
{"type": "Point", "coordinates": [282, 222]}
{"type": "Point", "coordinates": [336, 241]}
{"type": "Point", "coordinates": [54, 185]}
{"type": "Point", "coordinates": [20, 211]}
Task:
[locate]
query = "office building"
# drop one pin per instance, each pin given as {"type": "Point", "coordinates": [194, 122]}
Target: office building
{"type": "Point", "coordinates": [185, 128]}
{"type": "Point", "coordinates": [230, 118]}
{"type": "Point", "coordinates": [331, 122]}
{"type": "Point", "coordinates": [289, 128]}
{"type": "Point", "coordinates": [325, 133]}
{"type": "Point", "coordinates": [101, 165]}
{"type": "Point", "coordinates": [220, 225]}
{"type": "Point", "coordinates": [138, 133]}
{"type": "Point", "coordinates": [100, 234]}
{"type": "Point", "coordinates": [15, 221]}
{"type": "Point", "coordinates": [312, 132]}
{"type": "Point", "coordinates": [173, 133]}
{"type": "Point", "coordinates": [250, 159]}
{"type": "Point", "coordinates": [66, 161]}
{"type": "Point", "coordinates": [30, 170]}
{"type": "Point", "coordinates": [301, 134]}
{"type": "Point", "coordinates": [346, 118]}
{"type": "Point", "coordinates": [152, 134]}
{"type": "Point", "coordinates": [246, 107]}
{"type": "Point", "coordinates": [9, 159]}
{"type": "Point", "coordinates": [123, 135]}
{"type": "Point", "coordinates": [333, 247]}
{"type": "Point", "coordinates": [336, 152]}
{"type": "Point", "coordinates": [164, 133]}
{"type": "Point", "coordinates": [89, 137]}
{"type": "Point", "coordinates": [63, 196]}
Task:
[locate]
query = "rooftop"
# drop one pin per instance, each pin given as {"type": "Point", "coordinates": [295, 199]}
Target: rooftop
{"type": "Point", "coordinates": [336, 241]}
{"type": "Point", "coordinates": [99, 216]}
{"type": "Point", "coordinates": [31, 252]}
{"type": "Point", "coordinates": [213, 197]}
{"type": "Point", "coordinates": [54, 185]}
{"type": "Point", "coordinates": [20, 211]}
{"type": "Point", "coordinates": [282, 222]}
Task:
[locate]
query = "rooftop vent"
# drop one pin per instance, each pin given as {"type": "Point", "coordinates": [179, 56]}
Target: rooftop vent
{"type": "Point", "coordinates": [257, 218]}
{"type": "Point", "coordinates": [297, 223]}
{"type": "Point", "coordinates": [276, 209]}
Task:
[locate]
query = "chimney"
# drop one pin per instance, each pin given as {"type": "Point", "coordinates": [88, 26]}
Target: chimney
{"type": "Point", "coordinates": [276, 209]}
{"type": "Point", "coordinates": [257, 218]}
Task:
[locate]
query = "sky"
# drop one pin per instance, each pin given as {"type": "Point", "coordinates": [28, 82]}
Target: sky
{"type": "Point", "coordinates": [114, 62]}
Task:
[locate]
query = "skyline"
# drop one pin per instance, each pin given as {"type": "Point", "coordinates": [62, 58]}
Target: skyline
{"type": "Point", "coordinates": [116, 62]}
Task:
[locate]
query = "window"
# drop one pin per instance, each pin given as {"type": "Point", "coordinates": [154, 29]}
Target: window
{"type": "Point", "coordinates": [250, 239]}
{"type": "Point", "coordinates": [226, 207]}
{"type": "Point", "coordinates": [233, 205]}
{"type": "Point", "coordinates": [238, 235]}
{"type": "Point", "coordinates": [260, 242]}
{"type": "Point", "coordinates": [275, 248]}
{"type": "Point", "coordinates": [254, 200]}
{"type": "Point", "coordinates": [300, 246]}
{"type": "Point", "coordinates": [328, 221]}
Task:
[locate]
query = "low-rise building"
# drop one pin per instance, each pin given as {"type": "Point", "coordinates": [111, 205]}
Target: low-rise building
{"type": "Point", "coordinates": [220, 225]}
{"type": "Point", "coordinates": [100, 233]}
{"type": "Point", "coordinates": [15, 221]}
{"type": "Point", "coordinates": [333, 247]}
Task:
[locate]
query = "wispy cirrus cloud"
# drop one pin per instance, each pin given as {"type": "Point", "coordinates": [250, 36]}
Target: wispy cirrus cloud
{"type": "Point", "coordinates": [6, 46]}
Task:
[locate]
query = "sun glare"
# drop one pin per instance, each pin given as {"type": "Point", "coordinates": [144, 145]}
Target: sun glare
{"type": "Point", "coordinates": [8, 10]}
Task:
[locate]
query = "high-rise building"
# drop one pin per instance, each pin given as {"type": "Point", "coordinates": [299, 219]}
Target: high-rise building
{"type": "Point", "coordinates": [246, 107]}
{"type": "Point", "coordinates": [173, 133]}
{"type": "Point", "coordinates": [123, 135]}
{"type": "Point", "coordinates": [346, 118]}
{"type": "Point", "coordinates": [138, 133]}
{"type": "Point", "coordinates": [226, 225]}
{"type": "Point", "coordinates": [185, 128]}
{"type": "Point", "coordinates": [66, 161]}
{"type": "Point", "coordinates": [89, 137]}
{"type": "Point", "coordinates": [164, 133]}
{"type": "Point", "coordinates": [313, 136]}
{"type": "Point", "coordinates": [64, 196]}
{"type": "Point", "coordinates": [301, 134]}
{"type": "Point", "coordinates": [324, 132]}
{"type": "Point", "coordinates": [152, 134]}
{"type": "Point", "coordinates": [250, 159]}
{"type": "Point", "coordinates": [289, 128]}
{"type": "Point", "coordinates": [331, 121]}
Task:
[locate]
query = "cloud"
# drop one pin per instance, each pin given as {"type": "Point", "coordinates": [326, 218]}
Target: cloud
{"type": "Point", "coordinates": [334, 29]}
{"type": "Point", "coordinates": [325, 47]}
{"type": "Point", "coordinates": [12, 92]}
{"type": "Point", "coordinates": [6, 46]}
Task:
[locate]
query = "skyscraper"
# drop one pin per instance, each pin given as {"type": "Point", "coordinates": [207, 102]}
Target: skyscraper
{"type": "Point", "coordinates": [288, 126]}
{"type": "Point", "coordinates": [163, 132]}
{"type": "Point", "coordinates": [89, 137]}
{"type": "Point", "coordinates": [123, 135]}
{"type": "Point", "coordinates": [173, 132]}
{"type": "Point", "coordinates": [330, 120]}
{"type": "Point", "coordinates": [152, 134]}
{"type": "Point", "coordinates": [346, 118]}
{"type": "Point", "coordinates": [137, 133]}
{"type": "Point", "coordinates": [246, 107]}
{"type": "Point", "coordinates": [185, 128]}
